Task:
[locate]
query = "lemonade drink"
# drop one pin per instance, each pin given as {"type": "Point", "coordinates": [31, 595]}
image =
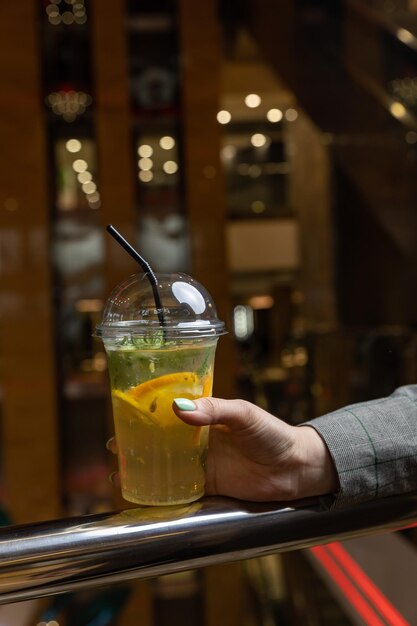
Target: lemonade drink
{"type": "Point", "coordinates": [161, 459]}
{"type": "Point", "coordinates": [158, 349]}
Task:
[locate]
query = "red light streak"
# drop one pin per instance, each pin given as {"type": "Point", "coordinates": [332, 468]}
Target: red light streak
{"type": "Point", "coordinates": [340, 565]}
{"type": "Point", "coordinates": [346, 586]}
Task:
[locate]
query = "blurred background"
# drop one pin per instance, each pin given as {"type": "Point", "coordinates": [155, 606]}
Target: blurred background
{"type": "Point", "coordinates": [269, 149]}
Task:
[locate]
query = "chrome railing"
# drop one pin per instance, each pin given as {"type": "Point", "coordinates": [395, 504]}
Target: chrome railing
{"type": "Point", "coordinates": [77, 553]}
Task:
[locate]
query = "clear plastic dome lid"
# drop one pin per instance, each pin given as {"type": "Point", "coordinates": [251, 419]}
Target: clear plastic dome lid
{"type": "Point", "coordinates": [187, 309]}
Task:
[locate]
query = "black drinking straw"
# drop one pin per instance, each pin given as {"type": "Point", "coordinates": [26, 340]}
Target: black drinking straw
{"type": "Point", "coordinates": [144, 265]}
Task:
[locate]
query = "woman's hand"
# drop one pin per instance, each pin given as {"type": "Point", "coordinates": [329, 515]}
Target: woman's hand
{"type": "Point", "coordinates": [256, 456]}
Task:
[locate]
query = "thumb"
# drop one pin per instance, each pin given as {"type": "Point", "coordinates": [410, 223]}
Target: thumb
{"type": "Point", "coordinates": [235, 414]}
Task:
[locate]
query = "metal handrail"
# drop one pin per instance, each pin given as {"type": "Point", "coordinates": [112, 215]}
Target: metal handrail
{"type": "Point", "coordinates": [77, 553]}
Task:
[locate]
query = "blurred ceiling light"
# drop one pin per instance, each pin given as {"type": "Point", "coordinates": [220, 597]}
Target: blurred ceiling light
{"type": "Point", "coordinates": [261, 302]}
{"type": "Point", "coordinates": [79, 165]}
{"type": "Point", "coordinates": [94, 197]}
{"type": "Point", "coordinates": [170, 167]}
{"type": "Point", "coordinates": [274, 115]}
{"type": "Point", "coordinates": [254, 171]}
{"type": "Point", "coordinates": [258, 140]}
{"type": "Point", "coordinates": [243, 322]}
{"type": "Point", "coordinates": [84, 177]}
{"type": "Point", "coordinates": [300, 356]}
{"type": "Point", "coordinates": [89, 187]}
{"type": "Point", "coordinates": [54, 19]}
{"type": "Point", "coordinates": [73, 12]}
{"type": "Point", "coordinates": [398, 110]}
{"type": "Point", "coordinates": [145, 164]}
{"type": "Point", "coordinates": [145, 150]}
{"type": "Point", "coordinates": [253, 100]}
{"type": "Point", "coordinates": [223, 117]}
{"type": "Point", "coordinates": [68, 17]}
{"type": "Point", "coordinates": [52, 10]}
{"type": "Point", "coordinates": [68, 104]}
{"type": "Point", "coordinates": [99, 362]}
{"type": "Point", "coordinates": [80, 15]}
{"type": "Point", "coordinates": [145, 176]}
{"type": "Point", "coordinates": [405, 36]}
{"type": "Point", "coordinates": [258, 206]}
{"type": "Point", "coordinates": [411, 137]}
{"type": "Point", "coordinates": [73, 145]}
{"type": "Point", "coordinates": [228, 152]}
{"type": "Point", "coordinates": [167, 142]}
{"type": "Point", "coordinates": [291, 115]}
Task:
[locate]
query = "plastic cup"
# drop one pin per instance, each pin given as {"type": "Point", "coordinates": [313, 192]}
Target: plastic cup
{"type": "Point", "coordinates": [161, 459]}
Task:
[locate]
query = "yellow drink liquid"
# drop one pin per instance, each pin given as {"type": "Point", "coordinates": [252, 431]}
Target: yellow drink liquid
{"type": "Point", "coordinates": [161, 459]}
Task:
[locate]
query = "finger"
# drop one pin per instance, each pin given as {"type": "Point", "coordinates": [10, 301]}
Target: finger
{"type": "Point", "coordinates": [236, 414]}
{"type": "Point", "coordinates": [114, 478]}
{"type": "Point", "coordinates": [111, 445]}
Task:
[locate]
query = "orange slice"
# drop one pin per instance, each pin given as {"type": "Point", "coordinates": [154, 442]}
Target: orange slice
{"type": "Point", "coordinates": [207, 386]}
{"type": "Point", "coordinates": [152, 400]}
{"type": "Point", "coordinates": [176, 380]}
{"type": "Point", "coordinates": [125, 407]}
{"type": "Point", "coordinates": [154, 397]}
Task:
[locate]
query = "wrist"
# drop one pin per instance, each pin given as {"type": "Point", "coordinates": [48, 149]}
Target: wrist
{"type": "Point", "coordinates": [317, 475]}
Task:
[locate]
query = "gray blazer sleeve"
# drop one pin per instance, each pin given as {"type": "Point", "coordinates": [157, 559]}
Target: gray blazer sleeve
{"type": "Point", "coordinates": [373, 446]}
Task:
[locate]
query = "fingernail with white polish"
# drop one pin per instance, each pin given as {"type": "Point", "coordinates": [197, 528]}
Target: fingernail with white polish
{"type": "Point", "coordinates": [184, 404]}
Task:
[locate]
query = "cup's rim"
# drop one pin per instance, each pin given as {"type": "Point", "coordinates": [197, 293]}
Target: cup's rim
{"type": "Point", "coordinates": [186, 330]}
